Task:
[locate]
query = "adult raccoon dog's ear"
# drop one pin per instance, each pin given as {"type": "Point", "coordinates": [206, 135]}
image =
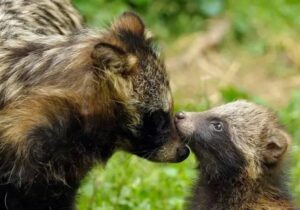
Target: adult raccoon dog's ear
{"type": "Point", "coordinates": [109, 57]}
{"type": "Point", "coordinates": [129, 22]}
{"type": "Point", "coordinates": [116, 52]}
{"type": "Point", "coordinates": [276, 146]}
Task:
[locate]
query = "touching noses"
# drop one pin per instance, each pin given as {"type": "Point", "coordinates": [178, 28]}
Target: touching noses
{"type": "Point", "coordinates": [180, 116]}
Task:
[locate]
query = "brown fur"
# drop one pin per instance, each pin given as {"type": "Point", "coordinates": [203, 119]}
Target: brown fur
{"type": "Point", "coordinates": [242, 152]}
{"type": "Point", "coordinates": [71, 96]}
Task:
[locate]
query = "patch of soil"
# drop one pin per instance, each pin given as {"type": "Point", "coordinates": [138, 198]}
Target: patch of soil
{"type": "Point", "coordinates": [199, 68]}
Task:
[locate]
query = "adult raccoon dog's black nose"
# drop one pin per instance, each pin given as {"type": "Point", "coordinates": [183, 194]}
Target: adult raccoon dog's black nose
{"type": "Point", "coordinates": [173, 150]}
{"type": "Point", "coordinates": [182, 153]}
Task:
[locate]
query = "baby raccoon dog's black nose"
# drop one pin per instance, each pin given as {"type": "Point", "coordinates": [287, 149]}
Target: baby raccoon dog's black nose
{"type": "Point", "coordinates": [180, 116]}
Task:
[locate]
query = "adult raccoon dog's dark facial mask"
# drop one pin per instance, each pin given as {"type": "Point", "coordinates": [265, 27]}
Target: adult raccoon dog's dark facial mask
{"type": "Point", "coordinates": [148, 114]}
{"type": "Point", "coordinates": [158, 139]}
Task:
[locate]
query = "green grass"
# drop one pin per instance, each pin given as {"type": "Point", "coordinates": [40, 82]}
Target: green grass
{"type": "Point", "coordinates": [130, 183]}
{"type": "Point", "coordinates": [290, 117]}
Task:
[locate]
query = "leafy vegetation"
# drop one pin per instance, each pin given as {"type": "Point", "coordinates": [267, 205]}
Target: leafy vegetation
{"type": "Point", "coordinates": [131, 183]}
{"type": "Point", "coordinates": [179, 16]}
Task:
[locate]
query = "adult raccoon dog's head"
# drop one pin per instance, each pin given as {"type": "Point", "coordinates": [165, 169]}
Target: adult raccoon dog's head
{"type": "Point", "coordinates": [142, 91]}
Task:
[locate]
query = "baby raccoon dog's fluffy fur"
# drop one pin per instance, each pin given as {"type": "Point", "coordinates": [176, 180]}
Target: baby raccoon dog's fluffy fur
{"type": "Point", "coordinates": [71, 96]}
{"type": "Point", "coordinates": [242, 152]}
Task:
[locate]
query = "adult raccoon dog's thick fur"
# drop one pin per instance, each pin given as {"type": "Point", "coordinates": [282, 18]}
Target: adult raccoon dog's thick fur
{"type": "Point", "coordinates": [70, 97]}
{"type": "Point", "coordinates": [241, 149]}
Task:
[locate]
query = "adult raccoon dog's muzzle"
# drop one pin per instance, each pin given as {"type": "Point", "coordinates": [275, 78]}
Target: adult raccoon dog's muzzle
{"type": "Point", "coordinates": [158, 140]}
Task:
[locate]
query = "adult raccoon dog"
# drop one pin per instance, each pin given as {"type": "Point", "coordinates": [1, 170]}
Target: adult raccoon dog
{"type": "Point", "coordinates": [71, 97]}
{"type": "Point", "coordinates": [242, 150]}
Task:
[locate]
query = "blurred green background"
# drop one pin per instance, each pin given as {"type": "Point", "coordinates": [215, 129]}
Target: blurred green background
{"type": "Point", "coordinates": [216, 51]}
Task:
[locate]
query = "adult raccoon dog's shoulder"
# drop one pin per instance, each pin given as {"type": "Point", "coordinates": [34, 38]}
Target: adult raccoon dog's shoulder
{"type": "Point", "coordinates": [241, 150]}
{"type": "Point", "coordinates": [72, 96]}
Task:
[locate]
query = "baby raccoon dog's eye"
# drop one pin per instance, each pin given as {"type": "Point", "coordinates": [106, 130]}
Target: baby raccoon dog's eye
{"type": "Point", "coordinates": [217, 126]}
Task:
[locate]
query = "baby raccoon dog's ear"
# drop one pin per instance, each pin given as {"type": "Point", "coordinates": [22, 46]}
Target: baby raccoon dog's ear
{"type": "Point", "coordinates": [276, 146]}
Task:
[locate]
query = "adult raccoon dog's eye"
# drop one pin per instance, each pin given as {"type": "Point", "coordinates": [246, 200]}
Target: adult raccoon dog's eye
{"type": "Point", "coordinates": [217, 126]}
{"type": "Point", "coordinates": [156, 122]}
{"type": "Point", "coordinates": [156, 127]}
{"type": "Point", "coordinates": [160, 119]}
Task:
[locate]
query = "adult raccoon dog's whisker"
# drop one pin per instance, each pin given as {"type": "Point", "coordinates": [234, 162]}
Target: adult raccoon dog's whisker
{"type": "Point", "coordinates": [71, 96]}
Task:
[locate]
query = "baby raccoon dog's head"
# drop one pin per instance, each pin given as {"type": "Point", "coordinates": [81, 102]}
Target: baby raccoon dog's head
{"type": "Point", "coordinates": [141, 83]}
{"type": "Point", "coordinates": [233, 139]}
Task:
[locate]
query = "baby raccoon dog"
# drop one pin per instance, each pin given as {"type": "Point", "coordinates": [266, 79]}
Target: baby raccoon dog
{"type": "Point", "coordinates": [71, 96]}
{"type": "Point", "coordinates": [242, 150]}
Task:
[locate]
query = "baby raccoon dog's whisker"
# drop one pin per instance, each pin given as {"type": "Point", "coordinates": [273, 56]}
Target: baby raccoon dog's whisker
{"type": "Point", "coordinates": [242, 152]}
